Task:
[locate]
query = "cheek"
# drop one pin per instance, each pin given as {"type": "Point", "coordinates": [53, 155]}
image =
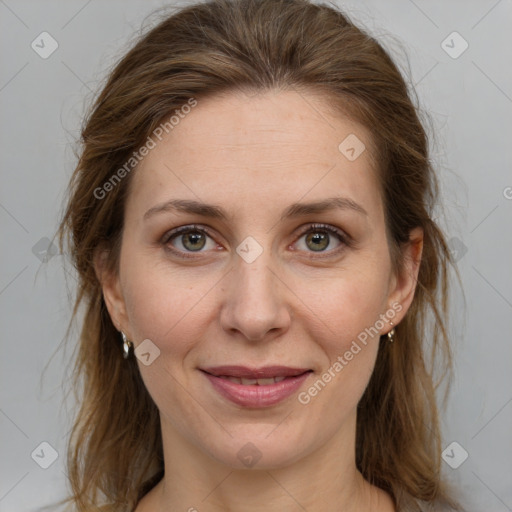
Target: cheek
{"type": "Point", "coordinates": [346, 315]}
{"type": "Point", "coordinates": [164, 306]}
{"type": "Point", "coordinates": [347, 305]}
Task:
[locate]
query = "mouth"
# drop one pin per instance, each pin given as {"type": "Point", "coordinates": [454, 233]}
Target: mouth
{"type": "Point", "coordinates": [256, 387]}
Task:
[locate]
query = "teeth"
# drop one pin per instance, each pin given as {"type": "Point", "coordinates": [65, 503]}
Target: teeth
{"type": "Point", "coordinates": [253, 382]}
{"type": "Point", "coordinates": [266, 382]}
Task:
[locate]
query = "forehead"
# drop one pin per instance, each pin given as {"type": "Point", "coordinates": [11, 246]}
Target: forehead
{"type": "Point", "coordinates": [276, 146]}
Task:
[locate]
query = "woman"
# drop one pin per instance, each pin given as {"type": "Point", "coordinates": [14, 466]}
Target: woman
{"type": "Point", "coordinates": [251, 223]}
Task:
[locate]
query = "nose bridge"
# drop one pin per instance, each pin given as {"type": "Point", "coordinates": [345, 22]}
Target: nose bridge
{"type": "Point", "coordinates": [256, 276]}
{"type": "Point", "coordinates": [256, 302]}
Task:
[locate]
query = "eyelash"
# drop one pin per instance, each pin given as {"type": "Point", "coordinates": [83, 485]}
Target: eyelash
{"type": "Point", "coordinates": [344, 239]}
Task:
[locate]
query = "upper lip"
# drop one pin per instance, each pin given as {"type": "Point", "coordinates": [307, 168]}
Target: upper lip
{"type": "Point", "coordinates": [245, 372]}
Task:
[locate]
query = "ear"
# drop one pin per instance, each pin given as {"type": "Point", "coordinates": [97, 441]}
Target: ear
{"type": "Point", "coordinates": [403, 283]}
{"type": "Point", "coordinates": [111, 288]}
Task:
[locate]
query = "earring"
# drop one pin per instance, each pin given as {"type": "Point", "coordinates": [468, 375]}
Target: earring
{"type": "Point", "coordinates": [127, 346]}
{"type": "Point", "coordinates": [391, 334]}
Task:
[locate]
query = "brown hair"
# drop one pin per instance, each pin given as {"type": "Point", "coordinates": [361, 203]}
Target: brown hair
{"type": "Point", "coordinates": [254, 45]}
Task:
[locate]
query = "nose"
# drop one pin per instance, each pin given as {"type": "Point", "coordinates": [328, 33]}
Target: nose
{"type": "Point", "coordinates": [256, 305]}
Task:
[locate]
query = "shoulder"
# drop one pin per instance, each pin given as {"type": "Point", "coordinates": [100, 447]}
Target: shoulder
{"type": "Point", "coordinates": [406, 503]}
{"type": "Point", "coordinates": [107, 508]}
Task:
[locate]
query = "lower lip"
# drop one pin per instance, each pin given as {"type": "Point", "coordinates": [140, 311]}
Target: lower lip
{"type": "Point", "coordinates": [257, 396]}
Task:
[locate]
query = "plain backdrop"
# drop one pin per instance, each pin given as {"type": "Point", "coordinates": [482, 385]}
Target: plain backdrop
{"type": "Point", "coordinates": [468, 95]}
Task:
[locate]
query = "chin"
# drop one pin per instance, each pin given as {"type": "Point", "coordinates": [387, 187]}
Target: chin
{"type": "Point", "coordinates": [260, 451]}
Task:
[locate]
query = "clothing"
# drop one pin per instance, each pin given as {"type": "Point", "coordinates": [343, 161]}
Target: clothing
{"type": "Point", "coordinates": [406, 503]}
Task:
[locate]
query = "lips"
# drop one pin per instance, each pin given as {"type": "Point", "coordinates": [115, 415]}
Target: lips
{"type": "Point", "coordinates": [244, 372]}
{"type": "Point", "coordinates": [256, 387]}
{"type": "Point", "coordinates": [253, 382]}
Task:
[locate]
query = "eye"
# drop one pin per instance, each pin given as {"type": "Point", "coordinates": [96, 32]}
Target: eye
{"type": "Point", "coordinates": [322, 238]}
{"type": "Point", "coordinates": [184, 241]}
{"type": "Point", "coordinates": [188, 239]}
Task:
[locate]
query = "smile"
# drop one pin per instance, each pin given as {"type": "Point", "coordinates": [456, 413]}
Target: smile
{"type": "Point", "coordinates": [256, 388]}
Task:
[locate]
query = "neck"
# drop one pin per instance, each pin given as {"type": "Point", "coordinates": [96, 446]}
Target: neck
{"type": "Point", "coordinates": [325, 479]}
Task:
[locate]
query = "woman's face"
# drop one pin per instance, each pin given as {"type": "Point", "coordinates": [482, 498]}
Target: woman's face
{"type": "Point", "coordinates": [284, 262]}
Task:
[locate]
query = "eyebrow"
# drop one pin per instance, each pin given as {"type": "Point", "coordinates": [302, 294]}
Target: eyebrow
{"type": "Point", "coordinates": [294, 210]}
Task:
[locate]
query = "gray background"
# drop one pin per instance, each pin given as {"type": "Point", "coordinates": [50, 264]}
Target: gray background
{"type": "Point", "coordinates": [469, 99]}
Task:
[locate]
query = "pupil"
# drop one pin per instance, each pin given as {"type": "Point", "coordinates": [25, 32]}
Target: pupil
{"type": "Point", "coordinates": [321, 240]}
{"type": "Point", "coordinates": [196, 241]}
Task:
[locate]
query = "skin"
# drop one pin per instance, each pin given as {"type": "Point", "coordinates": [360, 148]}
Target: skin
{"type": "Point", "coordinates": [295, 306]}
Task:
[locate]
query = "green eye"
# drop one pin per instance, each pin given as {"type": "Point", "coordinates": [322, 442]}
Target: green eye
{"type": "Point", "coordinates": [322, 238]}
{"type": "Point", "coordinates": [317, 238]}
{"type": "Point", "coordinates": [317, 241]}
{"type": "Point", "coordinates": [188, 239]}
{"type": "Point", "coordinates": [193, 241]}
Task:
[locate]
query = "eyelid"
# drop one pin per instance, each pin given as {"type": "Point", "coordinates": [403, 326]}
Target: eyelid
{"type": "Point", "coordinates": [173, 233]}
{"type": "Point", "coordinates": [346, 241]}
{"type": "Point", "coordinates": [343, 237]}
{"type": "Point", "coordinates": [185, 229]}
